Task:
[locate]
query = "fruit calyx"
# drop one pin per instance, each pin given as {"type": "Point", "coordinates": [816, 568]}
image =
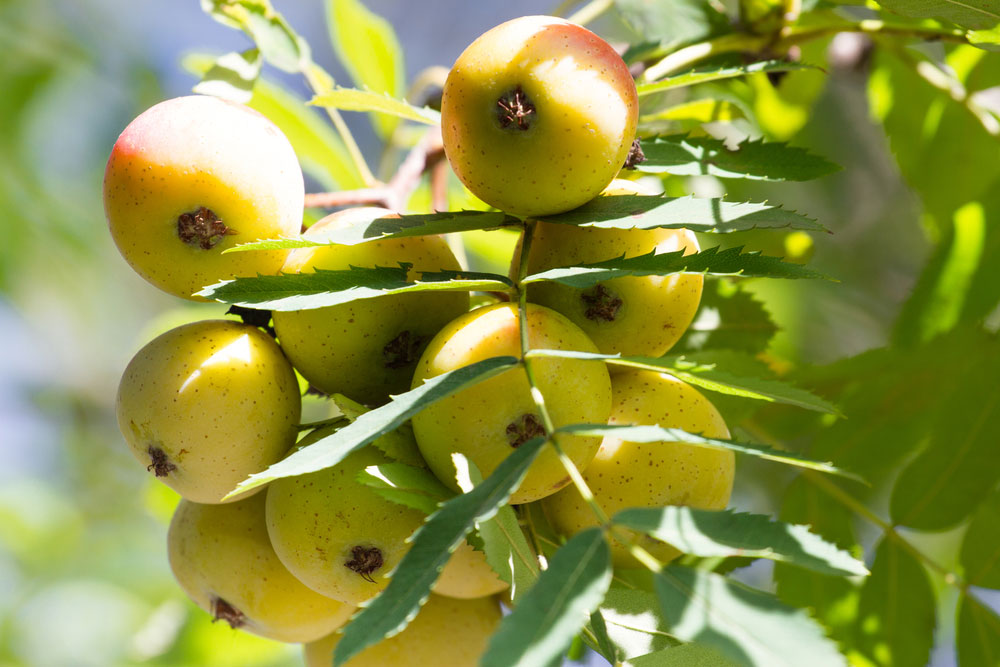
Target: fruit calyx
{"type": "Point", "coordinates": [202, 228]}
{"type": "Point", "coordinates": [403, 350]}
{"type": "Point", "coordinates": [223, 611]}
{"type": "Point", "coordinates": [635, 156]}
{"type": "Point", "coordinates": [523, 429]}
{"type": "Point", "coordinates": [514, 108]}
{"type": "Point", "coordinates": [159, 464]}
{"type": "Point", "coordinates": [602, 303]}
{"type": "Point", "coordinates": [364, 561]}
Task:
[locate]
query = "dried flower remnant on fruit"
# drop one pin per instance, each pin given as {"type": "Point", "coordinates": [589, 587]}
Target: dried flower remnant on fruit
{"type": "Point", "coordinates": [635, 156]}
{"type": "Point", "coordinates": [403, 350]}
{"type": "Point", "coordinates": [202, 228]}
{"type": "Point", "coordinates": [364, 561]}
{"type": "Point", "coordinates": [523, 429]}
{"type": "Point", "coordinates": [602, 303]}
{"type": "Point", "coordinates": [515, 107]}
{"type": "Point", "coordinates": [223, 611]}
{"type": "Point", "coordinates": [159, 465]}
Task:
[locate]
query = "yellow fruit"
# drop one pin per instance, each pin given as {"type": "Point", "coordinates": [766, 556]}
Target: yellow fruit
{"type": "Point", "coordinates": [488, 420]}
{"type": "Point", "coordinates": [367, 349]}
{"type": "Point", "coordinates": [467, 575]}
{"type": "Point", "coordinates": [446, 633]}
{"type": "Point", "coordinates": [631, 474]}
{"type": "Point", "coordinates": [193, 176]}
{"type": "Point", "coordinates": [222, 558]}
{"type": "Point", "coordinates": [207, 404]}
{"type": "Point", "coordinates": [538, 115]}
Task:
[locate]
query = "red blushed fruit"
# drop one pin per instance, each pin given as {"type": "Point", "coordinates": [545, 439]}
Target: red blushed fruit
{"type": "Point", "coordinates": [538, 116]}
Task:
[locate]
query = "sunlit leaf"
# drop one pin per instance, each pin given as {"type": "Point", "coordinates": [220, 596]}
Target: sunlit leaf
{"type": "Point", "coordinates": [695, 77]}
{"type": "Point", "coordinates": [232, 76]}
{"type": "Point", "coordinates": [352, 99]}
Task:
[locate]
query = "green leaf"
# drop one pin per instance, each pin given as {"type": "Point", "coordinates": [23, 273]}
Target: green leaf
{"type": "Point", "coordinates": [957, 470]}
{"type": "Point", "coordinates": [352, 99]}
{"type": "Point", "coordinates": [713, 261]}
{"type": "Point", "coordinates": [694, 77]}
{"type": "Point", "coordinates": [322, 287]}
{"type": "Point", "coordinates": [978, 633]}
{"type": "Point", "coordinates": [682, 155]}
{"type": "Point", "coordinates": [373, 424]}
{"type": "Point", "coordinates": [685, 655]}
{"type": "Point", "coordinates": [374, 227]}
{"type": "Point", "coordinates": [545, 620]}
{"type": "Point", "coordinates": [430, 548]}
{"type": "Point", "coordinates": [232, 76]}
{"type": "Point", "coordinates": [696, 214]}
{"type": "Point", "coordinates": [278, 42]}
{"type": "Point", "coordinates": [985, 39]}
{"type": "Point", "coordinates": [398, 445]}
{"type": "Point", "coordinates": [658, 433]}
{"type": "Point", "coordinates": [895, 622]}
{"type": "Point", "coordinates": [981, 546]}
{"type": "Point", "coordinates": [747, 626]}
{"type": "Point", "coordinates": [728, 317]}
{"type": "Point", "coordinates": [727, 534]}
{"type": "Point", "coordinates": [599, 629]}
{"type": "Point", "coordinates": [975, 14]}
{"type": "Point", "coordinates": [634, 623]}
{"type": "Point", "coordinates": [370, 51]}
{"type": "Point", "coordinates": [672, 22]}
{"type": "Point", "coordinates": [407, 485]}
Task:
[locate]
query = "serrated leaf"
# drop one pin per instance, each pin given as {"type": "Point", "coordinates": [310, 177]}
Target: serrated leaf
{"type": "Point", "coordinates": [713, 262]}
{"type": "Point", "coordinates": [694, 77]}
{"type": "Point", "coordinates": [980, 555]}
{"type": "Point", "coordinates": [430, 548]}
{"type": "Point", "coordinates": [957, 470]}
{"type": "Point", "coordinates": [685, 655]}
{"type": "Point", "coordinates": [232, 76]}
{"type": "Point", "coordinates": [406, 485]}
{"type": "Point", "coordinates": [352, 99]}
{"type": "Point", "coordinates": [371, 425]}
{"type": "Point", "coordinates": [725, 533]}
{"type": "Point", "coordinates": [975, 14]}
{"type": "Point", "coordinates": [634, 623]}
{"type": "Point", "coordinates": [322, 287]}
{"type": "Point", "coordinates": [369, 50]}
{"type": "Point", "coordinates": [696, 214]}
{"type": "Point", "coordinates": [398, 445]}
{"type": "Point", "coordinates": [683, 155]}
{"type": "Point", "coordinates": [377, 228]}
{"type": "Point", "coordinates": [978, 633]}
{"type": "Point", "coordinates": [747, 626]}
{"type": "Point", "coordinates": [895, 622]}
{"type": "Point", "coordinates": [545, 620]}
{"type": "Point", "coordinates": [730, 318]}
{"type": "Point", "coordinates": [657, 434]}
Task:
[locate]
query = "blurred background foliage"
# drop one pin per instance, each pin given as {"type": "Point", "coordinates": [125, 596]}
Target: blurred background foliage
{"type": "Point", "coordinates": [902, 342]}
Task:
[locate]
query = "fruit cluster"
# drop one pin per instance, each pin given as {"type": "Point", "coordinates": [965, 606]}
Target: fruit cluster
{"type": "Point", "coordinates": [538, 117]}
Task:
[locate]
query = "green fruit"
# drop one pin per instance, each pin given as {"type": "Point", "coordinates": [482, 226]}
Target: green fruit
{"type": "Point", "coordinates": [467, 575]}
{"type": "Point", "coordinates": [538, 115]}
{"type": "Point", "coordinates": [222, 558]}
{"type": "Point", "coordinates": [446, 632]}
{"type": "Point", "coordinates": [487, 421]}
{"type": "Point", "coordinates": [207, 404]}
{"type": "Point", "coordinates": [633, 474]}
{"type": "Point", "coordinates": [634, 316]}
{"type": "Point", "coordinates": [193, 176]}
{"type": "Point", "coordinates": [337, 535]}
{"type": "Point", "coordinates": [367, 349]}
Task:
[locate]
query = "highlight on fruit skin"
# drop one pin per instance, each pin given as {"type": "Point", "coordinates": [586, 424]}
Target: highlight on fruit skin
{"type": "Point", "coordinates": [446, 632]}
{"type": "Point", "coordinates": [193, 176]}
{"type": "Point", "coordinates": [207, 404]}
{"type": "Point", "coordinates": [487, 421]}
{"type": "Point", "coordinates": [538, 115]}
{"type": "Point", "coordinates": [222, 557]}
{"type": "Point", "coordinates": [632, 474]}
{"type": "Point", "coordinates": [384, 335]}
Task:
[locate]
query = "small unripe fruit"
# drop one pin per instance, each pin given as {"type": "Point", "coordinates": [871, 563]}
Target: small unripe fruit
{"type": "Point", "coordinates": [193, 176]}
{"type": "Point", "coordinates": [222, 558]}
{"type": "Point", "coordinates": [367, 349]}
{"type": "Point", "coordinates": [633, 474]}
{"type": "Point", "coordinates": [538, 115]}
{"type": "Point", "coordinates": [446, 632]}
{"type": "Point", "coordinates": [207, 404]}
{"type": "Point", "coordinates": [487, 421]}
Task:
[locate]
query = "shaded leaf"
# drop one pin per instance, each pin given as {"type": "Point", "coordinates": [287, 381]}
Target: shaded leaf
{"type": "Point", "coordinates": [747, 626]}
{"type": "Point", "coordinates": [430, 548]}
{"type": "Point", "coordinates": [978, 633]}
{"type": "Point", "coordinates": [352, 99]}
{"type": "Point", "coordinates": [406, 485]}
{"type": "Point", "coordinates": [976, 14]}
{"type": "Point", "coordinates": [371, 425]}
{"type": "Point", "coordinates": [232, 76]}
{"type": "Point", "coordinates": [694, 213]}
{"type": "Point", "coordinates": [685, 655]}
{"type": "Point", "coordinates": [695, 77]}
{"type": "Point", "coordinates": [728, 317]}
{"type": "Point", "coordinates": [980, 556]}
{"type": "Point", "coordinates": [672, 22]}
{"type": "Point", "coordinates": [634, 623]}
{"type": "Point", "coordinates": [726, 533]}
{"type": "Point", "coordinates": [546, 619]}
{"type": "Point", "coordinates": [399, 444]}
{"type": "Point", "coordinates": [322, 287]}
